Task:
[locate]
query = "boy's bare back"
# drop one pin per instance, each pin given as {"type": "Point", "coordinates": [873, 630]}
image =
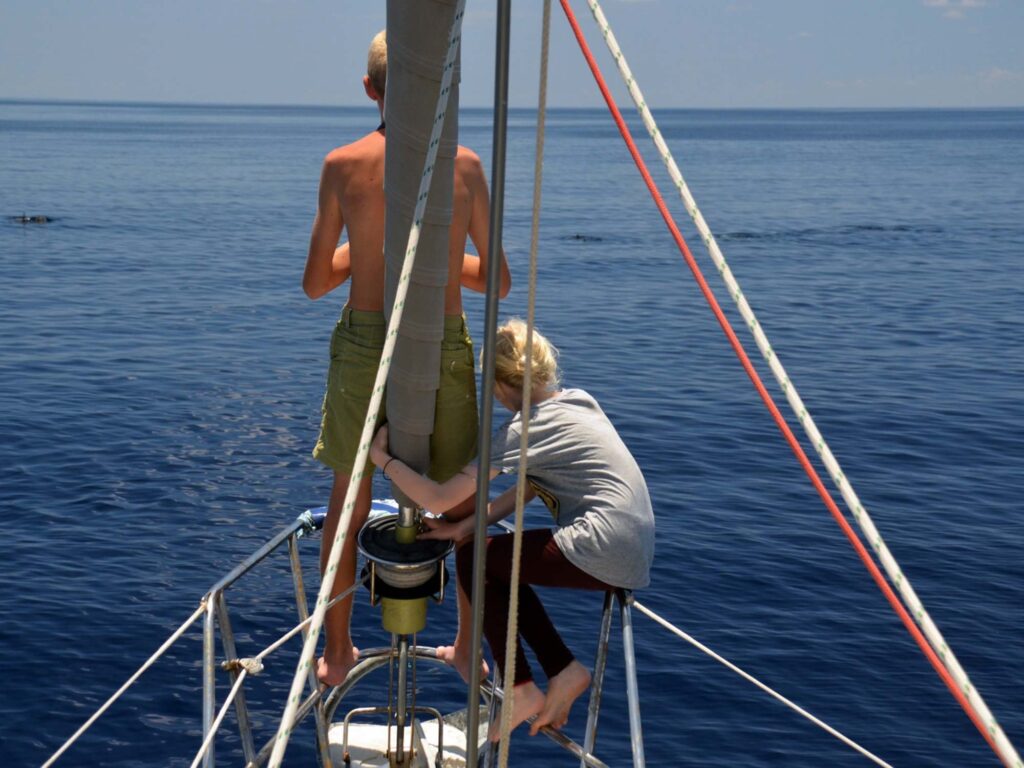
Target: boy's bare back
{"type": "Point", "coordinates": [352, 197]}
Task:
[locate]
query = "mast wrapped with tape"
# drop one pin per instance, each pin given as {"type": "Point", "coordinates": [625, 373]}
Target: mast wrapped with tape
{"type": "Point", "coordinates": [417, 38]}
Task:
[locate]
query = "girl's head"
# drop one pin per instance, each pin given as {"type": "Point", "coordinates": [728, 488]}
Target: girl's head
{"type": "Point", "coordinates": [510, 359]}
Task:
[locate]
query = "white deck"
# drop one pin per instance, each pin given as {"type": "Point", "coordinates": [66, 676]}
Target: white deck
{"type": "Point", "coordinates": [368, 744]}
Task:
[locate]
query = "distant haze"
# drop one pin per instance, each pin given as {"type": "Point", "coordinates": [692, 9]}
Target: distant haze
{"type": "Point", "coordinates": [699, 53]}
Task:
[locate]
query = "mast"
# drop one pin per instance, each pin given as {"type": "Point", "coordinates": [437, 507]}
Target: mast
{"type": "Point", "coordinates": [417, 38]}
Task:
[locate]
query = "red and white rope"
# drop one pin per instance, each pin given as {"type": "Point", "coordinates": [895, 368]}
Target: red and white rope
{"type": "Point", "coordinates": [945, 662]}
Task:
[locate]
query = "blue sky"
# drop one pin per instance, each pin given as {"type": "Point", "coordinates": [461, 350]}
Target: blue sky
{"type": "Point", "coordinates": [684, 53]}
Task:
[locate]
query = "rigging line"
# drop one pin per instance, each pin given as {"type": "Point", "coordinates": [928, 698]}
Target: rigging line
{"type": "Point", "coordinates": [304, 623]}
{"type": "Point", "coordinates": [496, 211]}
{"type": "Point", "coordinates": [989, 732]}
{"type": "Point", "coordinates": [751, 679]}
{"type": "Point", "coordinates": [327, 581]}
{"type": "Point", "coordinates": [853, 502]}
{"type": "Point", "coordinates": [512, 629]}
{"type": "Point", "coordinates": [117, 694]}
{"type": "Point", "coordinates": [220, 718]}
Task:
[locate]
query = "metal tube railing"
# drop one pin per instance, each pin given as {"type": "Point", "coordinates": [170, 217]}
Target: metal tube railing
{"type": "Point", "coordinates": [227, 639]}
{"type": "Point", "coordinates": [209, 676]}
{"type": "Point", "coordinates": [305, 522]}
{"type": "Point", "coordinates": [597, 686]}
{"type": "Point", "coordinates": [632, 692]}
{"type": "Point", "coordinates": [555, 735]}
{"type": "Point", "coordinates": [501, 70]}
{"type": "Point", "coordinates": [213, 609]}
{"type": "Point", "coordinates": [175, 636]}
{"type": "Point", "coordinates": [302, 607]}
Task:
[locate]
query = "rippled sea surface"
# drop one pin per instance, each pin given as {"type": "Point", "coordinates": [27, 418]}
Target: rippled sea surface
{"type": "Point", "coordinates": [161, 375]}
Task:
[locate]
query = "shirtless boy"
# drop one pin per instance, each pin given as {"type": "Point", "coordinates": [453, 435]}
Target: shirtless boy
{"type": "Point", "coordinates": [351, 197]}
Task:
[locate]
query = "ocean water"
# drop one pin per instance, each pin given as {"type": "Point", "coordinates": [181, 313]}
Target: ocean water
{"type": "Point", "coordinates": [161, 375]}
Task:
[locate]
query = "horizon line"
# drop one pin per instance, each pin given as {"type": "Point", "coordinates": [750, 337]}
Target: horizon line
{"type": "Point", "coordinates": [296, 105]}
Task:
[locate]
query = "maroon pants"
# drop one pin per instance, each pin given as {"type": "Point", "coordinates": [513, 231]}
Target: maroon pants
{"type": "Point", "coordinates": [542, 563]}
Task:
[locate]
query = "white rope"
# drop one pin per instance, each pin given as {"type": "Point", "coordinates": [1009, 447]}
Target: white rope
{"type": "Point", "coordinates": [149, 662]}
{"type": "Point", "coordinates": [305, 623]}
{"type": "Point", "coordinates": [220, 717]}
{"type": "Point", "coordinates": [327, 582]}
{"type": "Point", "coordinates": [254, 666]}
{"type": "Point", "coordinates": [796, 708]}
{"type": "Point", "coordinates": [248, 665]}
{"type": "Point", "coordinates": [892, 568]}
{"type": "Point", "coordinates": [512, 628]}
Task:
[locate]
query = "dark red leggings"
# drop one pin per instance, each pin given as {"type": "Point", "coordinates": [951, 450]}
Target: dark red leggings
{"type": "Point", "coordinates": [542, 563]}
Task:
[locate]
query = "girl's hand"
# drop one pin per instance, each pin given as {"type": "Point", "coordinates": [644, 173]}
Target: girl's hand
{"type": "Point", "coordinates": [379, 447]}
{"type": "Point", "coordinates": [439, 528]}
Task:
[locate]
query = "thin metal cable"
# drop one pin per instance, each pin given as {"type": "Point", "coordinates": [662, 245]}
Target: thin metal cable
{"type": "Point", "coordinates": [512, 629]}
{"type": "Point", "coordinates": [860, 514]}
{"type": "Point", "coordinates": [220, 718]}
{"type": "Point", "coordinates": [148, 663]}
{"type": "Point", "coordinates": [502, 45]}
{"type": "Point", "coordinates": [174, 637]}
{"type": "Point", "coordinates": [327, 582]}
{"type": "Point", "coordinates": [750, 678]}
{"type": "Point", "coordinates": [990, 731]}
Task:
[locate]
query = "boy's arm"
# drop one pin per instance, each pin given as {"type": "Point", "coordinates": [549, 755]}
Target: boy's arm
{"type": "Point", "coordinates": [341, 267]}
{"type": "Point", "coordinates": [325, 268]}
{"type": "Point", "coordinates": [474, 268]}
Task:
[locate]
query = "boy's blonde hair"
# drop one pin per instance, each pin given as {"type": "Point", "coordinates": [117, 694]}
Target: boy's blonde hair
{"type": "Point", "coordinates": [510, 358]}
{"type": "Point", "coordinates": [377, 62]}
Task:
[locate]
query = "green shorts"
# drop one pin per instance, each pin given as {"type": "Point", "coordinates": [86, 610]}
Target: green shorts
{"type": "Point", "coordinates": [356, 346]}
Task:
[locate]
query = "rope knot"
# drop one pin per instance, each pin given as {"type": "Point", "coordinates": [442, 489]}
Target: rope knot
{"type": "Point", "coordinates": [251, 666]}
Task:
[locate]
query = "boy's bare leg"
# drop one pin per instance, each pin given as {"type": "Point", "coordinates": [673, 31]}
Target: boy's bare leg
{"type": "Point", "coordinates": [527, 700]}
{"type": "Point", "coordinates": [339, 653]}
{"type": "Point", "coordinates": [563, 689]}
{"type": "Point", "coordinates": [460, 653]}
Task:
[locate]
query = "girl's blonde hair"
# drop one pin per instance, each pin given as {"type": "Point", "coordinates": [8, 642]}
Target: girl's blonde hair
{"type": "Point", "coordinates": [510, 358]}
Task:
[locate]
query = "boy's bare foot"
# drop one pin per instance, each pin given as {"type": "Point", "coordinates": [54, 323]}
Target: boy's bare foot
{"type": "Point", "coordinates": [332, 669]}
{"type": "Point", "coordinates": [527, 700]}
{"type": "Point", "coordinates": [563, 689]}
{"type": "Point", "coordinates": [459, 657]}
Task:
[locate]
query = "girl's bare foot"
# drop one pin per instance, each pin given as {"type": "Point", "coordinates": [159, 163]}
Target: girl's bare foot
{"type": "Point", "coordinates": [527, 701]}
{"type": "Point", "coordinates": [334, 668]}
{"type": "Point", "coordinates": [459, 657]}
{"type": "Point", "coordinates": [563, 689]}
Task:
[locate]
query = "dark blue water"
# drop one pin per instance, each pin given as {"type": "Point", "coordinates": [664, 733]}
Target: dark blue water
{"type": "Point", "coordinates": [161, 375]}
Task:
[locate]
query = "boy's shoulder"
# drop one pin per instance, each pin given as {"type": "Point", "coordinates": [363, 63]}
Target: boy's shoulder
{"type": "Point", "coordinates": [369, 147]}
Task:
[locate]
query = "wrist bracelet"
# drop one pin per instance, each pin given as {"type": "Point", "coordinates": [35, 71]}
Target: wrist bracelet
{"type": "Point", "coordinates": [384, 469]}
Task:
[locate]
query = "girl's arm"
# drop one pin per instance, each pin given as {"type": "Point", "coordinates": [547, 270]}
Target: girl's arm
{"type": "Point", "coordinates": [420, 488]}
{"type": "Point", "coordinates": [499, 509]}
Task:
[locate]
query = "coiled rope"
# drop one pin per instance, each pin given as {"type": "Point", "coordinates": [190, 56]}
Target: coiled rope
{"type": "Point", "coordinates": [512, 628]}
{"type": "Point", "coordinates": [966, 695]}
{"type": "Point", "coordinates": [327, 582]}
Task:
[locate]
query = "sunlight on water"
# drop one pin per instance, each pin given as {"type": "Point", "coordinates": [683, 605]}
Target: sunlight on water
{"type": "Point", "coordinates": [162, 376]}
